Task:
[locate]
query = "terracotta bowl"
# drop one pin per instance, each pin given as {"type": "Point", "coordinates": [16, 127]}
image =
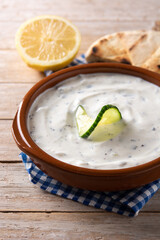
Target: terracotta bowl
{"type": "Point", "coordinates": [92, 179]}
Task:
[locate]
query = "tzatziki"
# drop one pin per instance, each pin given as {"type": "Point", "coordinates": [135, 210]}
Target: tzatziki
{"type": "Point", "coordinates": [52, 126]}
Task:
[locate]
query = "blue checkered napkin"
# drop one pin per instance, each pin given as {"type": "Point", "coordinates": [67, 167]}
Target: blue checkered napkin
{"type": "Point", "coordinates": [77, 61]}
{"type": "Point", "coordinates": [127, 203]}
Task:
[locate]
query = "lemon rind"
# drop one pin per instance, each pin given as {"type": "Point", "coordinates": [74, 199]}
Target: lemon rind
{"type": "Point", "coordinates": [47, 65]}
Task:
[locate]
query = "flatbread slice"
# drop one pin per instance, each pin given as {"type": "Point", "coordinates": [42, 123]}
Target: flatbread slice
{"type": "Point", "coordinates": [132, 47]}
{"type": "Point", "coordinates": [153, 63]}
{"type": "Point", "coordinates": [108, 49]}
{"type": "Point", "coordinates": [129, 38]}
{"type": "Point", "coordinates": [156, 26]}
{"type": "Point", "coordinates": [144, 47]}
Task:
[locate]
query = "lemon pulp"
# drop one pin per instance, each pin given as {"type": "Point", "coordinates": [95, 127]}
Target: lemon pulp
{"type": "Point", "coordinates": [48, 42]}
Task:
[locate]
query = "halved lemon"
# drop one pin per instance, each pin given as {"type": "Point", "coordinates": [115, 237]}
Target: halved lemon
{"type": "Point", "coordinates": [48, 42]}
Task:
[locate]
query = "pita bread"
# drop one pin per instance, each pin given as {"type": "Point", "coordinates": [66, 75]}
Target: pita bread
{"type": "Point", "coordinates": [153, 63]}
{"type": "Point", "coordinates": [156, 26]}
{"type": "Point", "coordinates": [144, 47]}
{"type": "Point", "coordinates": [129, 38]}
{"type": "Point", "coordinates": [108, 49]}
{"type": "Point", "coordinates": [132, 47]}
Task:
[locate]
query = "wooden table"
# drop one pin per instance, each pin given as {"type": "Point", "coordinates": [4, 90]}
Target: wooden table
{"type": "Point", "coordinates": [26, 212]}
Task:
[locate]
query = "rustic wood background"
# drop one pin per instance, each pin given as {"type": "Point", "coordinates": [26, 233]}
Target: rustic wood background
{"type": "Point", "coordinates": [26, 212]}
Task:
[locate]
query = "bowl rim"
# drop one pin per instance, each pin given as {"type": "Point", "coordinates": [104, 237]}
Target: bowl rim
{"type": "Point", "coordinates": [27, 145]}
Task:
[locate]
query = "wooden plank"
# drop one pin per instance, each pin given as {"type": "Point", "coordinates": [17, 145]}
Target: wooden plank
{"type": "Point", "coordinates": [24, 208]}
{"type": "Point", "coordinates": [11, 96]}
{"type": "Point", "coordinates": [90, 31]}
{"type": "Point", "coordinates": [8, 149]}
{"type": "Point", "coordinates": [14, 70]}
{"type": "Point", "coordinates": [18, 194]}
{"type": "Point", "coordinates": [88, 226]}
{"type": "Point", "coordinates": [81, 10]}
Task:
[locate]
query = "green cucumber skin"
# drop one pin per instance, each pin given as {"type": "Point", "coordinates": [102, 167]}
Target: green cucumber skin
{"type": "Point", "coordinates": [98, 118]}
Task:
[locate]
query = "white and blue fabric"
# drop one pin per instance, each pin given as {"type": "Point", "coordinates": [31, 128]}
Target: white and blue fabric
{"type": "Point", "coordinates": [77, 61]}
{"type": "Point", "coordinates": [127, 203]}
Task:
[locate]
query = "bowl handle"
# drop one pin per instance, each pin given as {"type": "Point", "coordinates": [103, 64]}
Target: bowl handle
{"type": "Point", "coordinates": [21, 141]}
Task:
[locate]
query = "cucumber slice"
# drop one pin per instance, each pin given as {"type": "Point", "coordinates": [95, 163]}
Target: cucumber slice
{"type": "Point", "coordinates": [108, 115]}
{"type": "Point", "coordinates": [83, 121]}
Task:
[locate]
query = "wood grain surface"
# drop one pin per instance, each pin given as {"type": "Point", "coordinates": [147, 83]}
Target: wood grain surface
{"type": "Point", "coordinates": [26, 212]}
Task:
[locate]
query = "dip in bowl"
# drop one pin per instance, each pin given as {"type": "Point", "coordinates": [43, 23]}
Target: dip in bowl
{"type": "Point", "coordinates": [45, 127]}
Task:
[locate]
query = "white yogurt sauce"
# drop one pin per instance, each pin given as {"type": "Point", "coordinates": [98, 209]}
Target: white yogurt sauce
{"type": "Point", "coordinates": [52, 126]}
